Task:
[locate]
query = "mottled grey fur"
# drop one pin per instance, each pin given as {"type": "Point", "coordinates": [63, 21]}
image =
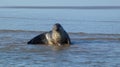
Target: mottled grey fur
{"type": "Point", "coordinates": [58, 36]}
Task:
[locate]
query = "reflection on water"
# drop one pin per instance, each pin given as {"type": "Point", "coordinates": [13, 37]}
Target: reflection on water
{"type": "Point", "coordinates": [88, 50]}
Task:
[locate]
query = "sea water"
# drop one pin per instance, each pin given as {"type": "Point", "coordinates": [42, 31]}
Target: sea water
{"type": "Point", "coordinates": [73, 20]}
{"type": "Point", "coordinates": [94, 33]}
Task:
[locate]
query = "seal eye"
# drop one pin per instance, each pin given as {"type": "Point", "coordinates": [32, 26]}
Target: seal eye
{"type": "Point", "coordinates": [57, 27]}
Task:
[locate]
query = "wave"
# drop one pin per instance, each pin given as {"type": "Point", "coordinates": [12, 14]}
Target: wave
{"type": "Point", "coordinates": [74, 36]}
{"type": "Point", "coordinates": [19, 31]}
{"type": "Point", "coordinates": [75, 20]}
{"type": "Point", "coordinates": [81, 33]}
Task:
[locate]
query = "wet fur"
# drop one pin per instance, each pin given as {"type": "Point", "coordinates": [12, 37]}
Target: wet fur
{"type": "Point", "coordinates": [57, 36]}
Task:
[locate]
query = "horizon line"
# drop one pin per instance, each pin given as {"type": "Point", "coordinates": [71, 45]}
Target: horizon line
{"type": "Point", "coordinates": [61, 7]}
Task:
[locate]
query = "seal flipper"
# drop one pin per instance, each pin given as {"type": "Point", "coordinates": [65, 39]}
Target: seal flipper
{"type": "Point", "coordinates": [40, 39]}
{"type": "Point", "coordinates": [67, 38]}
{"type": "Point", "coordinates": [67, 41]}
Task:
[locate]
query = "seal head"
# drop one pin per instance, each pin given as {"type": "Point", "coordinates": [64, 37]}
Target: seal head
{"type": "Point", "coordinates": [59, 35]}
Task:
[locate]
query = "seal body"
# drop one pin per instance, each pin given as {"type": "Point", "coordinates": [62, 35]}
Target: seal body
{"type": "Point", "coordinates": [57, 36]}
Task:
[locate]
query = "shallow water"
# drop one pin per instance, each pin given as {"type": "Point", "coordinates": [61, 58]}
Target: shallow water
{"type": "Point", "coordinates": [88, 50]}
{"type": "Point", "coordinates": [94, 33]}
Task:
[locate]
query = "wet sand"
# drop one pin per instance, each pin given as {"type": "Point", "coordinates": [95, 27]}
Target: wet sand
{"type": "Point", "coordinates": [87, 50]}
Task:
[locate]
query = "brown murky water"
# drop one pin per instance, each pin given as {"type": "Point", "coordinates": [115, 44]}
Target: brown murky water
{"type": "Point", "coordinates": [88, 50]}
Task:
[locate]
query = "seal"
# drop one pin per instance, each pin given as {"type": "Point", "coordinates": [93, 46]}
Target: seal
{"type": "Point", "coordinates": [57, 36]}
